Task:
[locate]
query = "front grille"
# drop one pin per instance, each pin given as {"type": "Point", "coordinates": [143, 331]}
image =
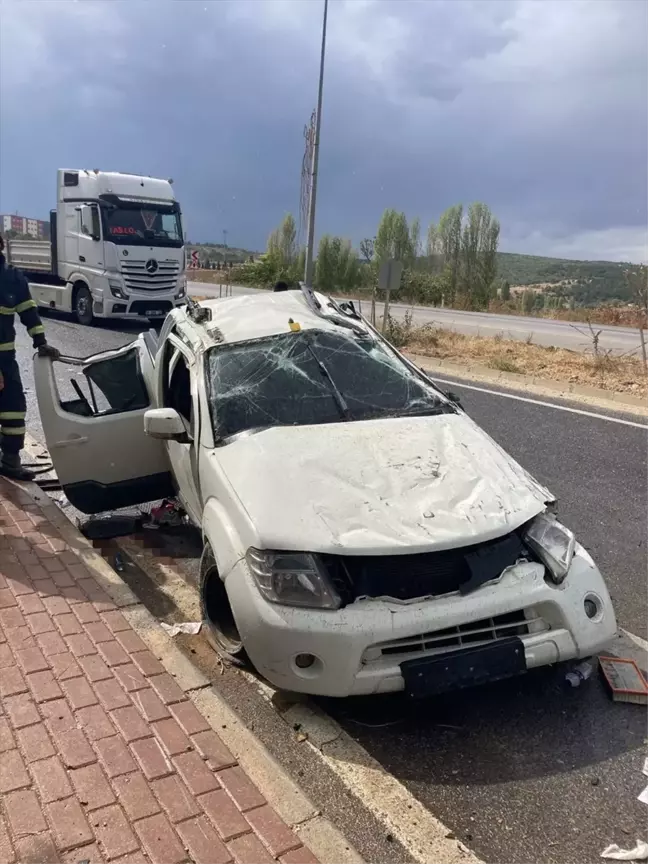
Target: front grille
{"type": "Point", "coordinates": [136, 277]}
{"type": "Point", "coordinates": [519, 623]}
{"type": "Point", "coordinates": [429, 574]}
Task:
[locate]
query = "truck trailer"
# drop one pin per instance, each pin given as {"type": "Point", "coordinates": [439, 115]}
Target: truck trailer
{"type": "Point", "coordinates": [116, 248]}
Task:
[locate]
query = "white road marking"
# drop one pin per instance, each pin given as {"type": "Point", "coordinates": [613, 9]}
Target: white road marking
{"type": "Point", "coordinates": [409, 821]}
{"type": "Point", "coordinates": [593, 414]}
{"type": "Point", "coordinates": [642, 643]}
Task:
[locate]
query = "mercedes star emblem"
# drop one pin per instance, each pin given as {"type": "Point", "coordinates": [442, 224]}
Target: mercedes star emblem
{"type": "Point", "coordinates": [151, 266]}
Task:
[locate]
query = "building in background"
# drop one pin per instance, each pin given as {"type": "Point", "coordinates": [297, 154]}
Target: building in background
{"type": "Point", "coordinates": [36, 228]}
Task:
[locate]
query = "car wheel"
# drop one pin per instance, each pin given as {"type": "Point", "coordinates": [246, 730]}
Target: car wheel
{"type": "Point", "coordinates": [83, 306]}
{"type": "Point", "coordinates": [219, 625]}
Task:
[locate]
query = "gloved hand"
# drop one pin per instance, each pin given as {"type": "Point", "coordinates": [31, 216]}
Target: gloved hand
{"type": "Point", "coordinates": [48, 351]}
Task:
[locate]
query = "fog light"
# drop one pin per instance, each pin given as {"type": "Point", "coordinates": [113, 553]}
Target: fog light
{"type": "Point", "coordinates": [304, 661]}
{"type": "Point", "coordinates": [116, 291]}
{"type": "Point", "coordinates": [591, 607]}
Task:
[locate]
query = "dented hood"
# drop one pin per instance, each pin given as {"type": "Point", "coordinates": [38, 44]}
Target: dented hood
{"type": "Point", "coordinates": [389, 486]}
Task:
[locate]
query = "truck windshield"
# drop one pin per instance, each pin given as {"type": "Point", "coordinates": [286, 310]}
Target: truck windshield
{"type": "Point", "coordinates": [142, 226]}
{"type": "Point", "coordinates": [310, 377]}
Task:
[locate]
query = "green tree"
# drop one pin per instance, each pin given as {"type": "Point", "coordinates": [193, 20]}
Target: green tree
{"type": "Point", "coordinates": [528, 301]}
{"type": "Point", "coordinates": [479, 241]}
{"type": "Point", "coordinates": [288, 240]}
{"type": "Point", "coordinates": [367, 249]}
{"type": "Point", "coordinates": [506, 290]}
{"type": "Point", "coordinates": [415, 238]}
{"type": "Point", "coordinates": [393, 238]}
{"type": "Point", "coordinates": [448, 242]}
{"type": "Point", "coordinates": [337, 267]}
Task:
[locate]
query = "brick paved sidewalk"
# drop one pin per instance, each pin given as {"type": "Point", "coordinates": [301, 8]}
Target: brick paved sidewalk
{"type": "Point", "coordinates": [102, 755]}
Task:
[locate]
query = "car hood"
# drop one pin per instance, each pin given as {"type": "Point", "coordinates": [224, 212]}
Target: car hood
{"type": "Point", "coordinates": [391, 486]}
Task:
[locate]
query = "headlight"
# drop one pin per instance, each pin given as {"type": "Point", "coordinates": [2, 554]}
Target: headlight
{"type": "Point", "coordinates": [116, 290]}
{"type": "Point", "coordinates": [182, 289]}
{"type": "Point", "coordinates": [292, 579]}
{"type": "Point", "coordinates": [553, 543]}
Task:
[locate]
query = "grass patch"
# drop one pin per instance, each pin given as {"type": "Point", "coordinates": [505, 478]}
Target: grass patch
{"type": "Point", "coordinates": [607, 372]}
{"type": "Point", "coordinates": [504, 365]}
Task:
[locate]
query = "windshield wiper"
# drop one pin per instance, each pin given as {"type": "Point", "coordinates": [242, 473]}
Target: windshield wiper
{"type": "Point", "coordinates": [340, 401]}
{"type": "Point", "coordinates": [431, 411]}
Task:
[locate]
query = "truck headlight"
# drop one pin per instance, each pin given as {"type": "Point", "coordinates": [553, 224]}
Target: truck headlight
{"type": "Point", "coordinates": [116, 290]}
{"type": "Point", "coordinates": [182, 289]}
{"type": "Point", "coordinates": [292, 579]}
{"type": "Point", "coordinates": [553, 543]}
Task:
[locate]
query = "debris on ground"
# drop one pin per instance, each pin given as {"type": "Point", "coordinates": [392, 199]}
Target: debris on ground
{"type": "Point", "coordinates": [109, 527]}
{"type": "Point", "coordinates": [168, 514]}
{"type": "Point", "coordinates": [624, 680]}
{"type": "Point", "coordinates": [643, 796]}
{"type": "Point", "coordinates": [639, 853]}
{"type": "Point", "coordinates": [578, 674]}
{"type": "Point", "coordinates": [189, 628]}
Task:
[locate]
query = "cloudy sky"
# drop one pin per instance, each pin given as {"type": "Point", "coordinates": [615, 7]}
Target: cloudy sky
{"type": "Point", "coordinates": [537, 107]}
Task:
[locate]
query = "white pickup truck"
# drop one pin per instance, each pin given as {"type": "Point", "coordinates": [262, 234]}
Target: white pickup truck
{"type": "Point", "coordinates": [116, 248]}
{"type": "Point", "coordinates": [361, 533]}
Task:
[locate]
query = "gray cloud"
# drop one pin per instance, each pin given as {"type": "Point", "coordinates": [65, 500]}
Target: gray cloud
{"type": "Point", "coordinates": [537, 108]}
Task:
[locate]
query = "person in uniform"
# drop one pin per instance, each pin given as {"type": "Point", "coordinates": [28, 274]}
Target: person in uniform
{"type": "Point", "coordinates": [15, 299]}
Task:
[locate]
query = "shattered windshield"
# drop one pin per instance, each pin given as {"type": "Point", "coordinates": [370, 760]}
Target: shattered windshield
{"type": "Point", "coordinates": [311, 377]}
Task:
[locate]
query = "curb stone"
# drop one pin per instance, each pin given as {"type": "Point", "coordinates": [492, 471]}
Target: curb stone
{"type": "Point", "coordinates": [280, 791]}
{"type": "Point", "coordinates": [609, 399]}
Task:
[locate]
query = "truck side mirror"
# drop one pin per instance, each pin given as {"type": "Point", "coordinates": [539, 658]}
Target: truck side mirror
{"type": "Point", "coordinates": [96, 228]}
{"type": "Point", "coordinates": [90, 220]}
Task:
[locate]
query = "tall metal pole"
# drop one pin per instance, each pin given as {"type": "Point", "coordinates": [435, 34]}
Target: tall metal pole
{"type": "Point", "coordinates": [310, 241]}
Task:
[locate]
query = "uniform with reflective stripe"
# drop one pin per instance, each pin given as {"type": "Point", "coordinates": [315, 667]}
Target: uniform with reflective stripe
{"type": "Point", "coordinates": [12, 408]}
{"type": "Point", "coordinates": [15, 299]}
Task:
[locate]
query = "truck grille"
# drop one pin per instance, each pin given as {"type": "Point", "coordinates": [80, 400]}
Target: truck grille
{"type": "Point", "coordinates": [137, 278]}
{"type": "Point", "coordinates": [520, 623]}
{"type": "Point", "coordinates": [427, 574]}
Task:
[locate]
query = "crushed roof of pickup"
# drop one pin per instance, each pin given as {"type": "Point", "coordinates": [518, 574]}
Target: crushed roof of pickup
{"type": "Point", "coordinates": [262, 314]}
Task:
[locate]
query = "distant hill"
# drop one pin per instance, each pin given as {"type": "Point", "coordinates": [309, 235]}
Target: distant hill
{"type": "Point", "coordinates": [588, 282]}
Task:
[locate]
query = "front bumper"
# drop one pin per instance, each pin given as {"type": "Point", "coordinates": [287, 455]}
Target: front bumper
{"type": "Point", "coordinates": [359, 648]}
{"type": "Point", "coordinates": [138, 307]}
{"type": "Point", "coordinates": [136, 304]}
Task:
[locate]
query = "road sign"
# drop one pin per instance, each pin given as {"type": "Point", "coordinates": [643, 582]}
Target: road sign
{"type": "Point", "coordinates": [389, 279]}
{"type": "Point", "coordinates": [389, 275]}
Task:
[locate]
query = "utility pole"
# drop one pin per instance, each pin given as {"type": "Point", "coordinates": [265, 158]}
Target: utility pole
{"type": "Point", "coordinates": [225, 237]}
{"type": "Point", "coordinates": [310, 237]}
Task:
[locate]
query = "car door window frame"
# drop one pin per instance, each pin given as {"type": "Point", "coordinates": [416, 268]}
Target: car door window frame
{"type": "Point", "coordinates": [169, 366]}
{"type": "Point", "coordinates": [93, 387]}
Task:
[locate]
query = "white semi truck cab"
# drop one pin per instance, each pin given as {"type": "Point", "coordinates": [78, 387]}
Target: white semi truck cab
{"type": "Point", "coordinates": [116, 248]}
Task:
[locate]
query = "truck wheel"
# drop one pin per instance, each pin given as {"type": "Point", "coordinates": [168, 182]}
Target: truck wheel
{"type": "Point", "coordinates": [218, 620]}
{"type": "Point", "coordinates": [83, 306]}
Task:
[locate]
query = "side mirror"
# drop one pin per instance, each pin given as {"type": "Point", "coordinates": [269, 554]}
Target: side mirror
{"type": "Point", "coordinates": [165, 424]}
{"type": "Point", "coordinates": [90, 220]}
{"type": "Point", "coordinates": [453, 397]}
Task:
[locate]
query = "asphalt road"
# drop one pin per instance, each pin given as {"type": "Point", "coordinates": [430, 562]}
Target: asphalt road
{"type": "Point", "coordinates": [525, 770]}
{"type": "Point", "coordinates": [541, 331]}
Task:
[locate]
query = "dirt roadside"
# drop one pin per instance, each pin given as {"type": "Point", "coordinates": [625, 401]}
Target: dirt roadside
{"type": "Point", "coordinates": [602, 371]}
